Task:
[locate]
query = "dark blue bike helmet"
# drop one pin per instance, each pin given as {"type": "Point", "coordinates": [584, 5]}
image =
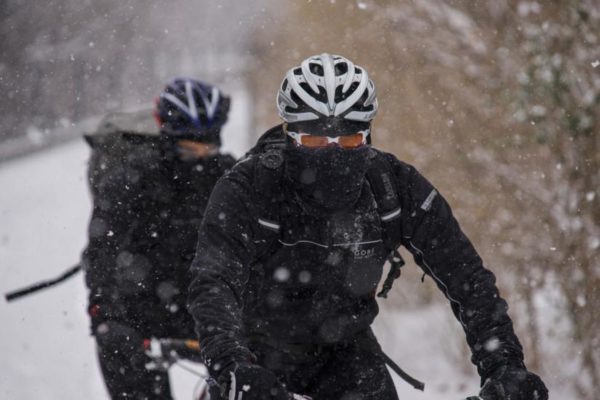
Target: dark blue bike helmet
{"type": "Point", "coordinates": [190, 109]}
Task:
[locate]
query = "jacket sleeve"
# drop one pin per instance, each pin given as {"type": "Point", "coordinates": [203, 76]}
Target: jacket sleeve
{"type": "Point", "coordinates": [442, 250]}
{"type": "Point", "coordinates": [219, 273]}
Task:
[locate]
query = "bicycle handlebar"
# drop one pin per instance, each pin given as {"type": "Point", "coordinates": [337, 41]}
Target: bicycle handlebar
{"type": "Point", "coordinates": [36, 287]}
{"type": "Point", "coordinates": [165, 346]}
{"type": "Point", "coordinates": [166, 352]}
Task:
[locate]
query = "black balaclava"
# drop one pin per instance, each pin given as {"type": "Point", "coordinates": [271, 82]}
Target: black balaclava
{"type": "Point", "coordinates": [328, 178]}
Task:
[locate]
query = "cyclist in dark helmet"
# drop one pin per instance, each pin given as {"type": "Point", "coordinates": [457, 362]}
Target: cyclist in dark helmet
{"type": "Point", "coordinates": [149, 193]}
{"type": "Point", "coordinates": [292, 247]}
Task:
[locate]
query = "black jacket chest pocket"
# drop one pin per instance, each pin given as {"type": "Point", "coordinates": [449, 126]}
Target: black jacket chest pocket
{"type": "Point", "coordinates": [355, 228]}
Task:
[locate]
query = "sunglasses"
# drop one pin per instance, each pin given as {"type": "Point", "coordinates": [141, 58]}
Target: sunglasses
{"type": "Point", "coordinates": [346, 141]}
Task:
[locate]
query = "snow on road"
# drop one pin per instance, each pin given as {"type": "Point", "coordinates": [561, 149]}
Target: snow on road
{"type": "Point", "coordinates": [44, 207]}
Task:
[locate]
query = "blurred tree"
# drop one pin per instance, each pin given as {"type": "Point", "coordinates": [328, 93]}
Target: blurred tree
{"type": "Point", "coordinates": [560, 98]}
{"type": "Point", "coordinates": [65, 60]}
{"type": "Point", "coordinates": [497, 102]}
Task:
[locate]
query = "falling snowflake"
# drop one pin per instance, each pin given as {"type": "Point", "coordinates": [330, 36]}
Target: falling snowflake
{"type": "Point", "coordinates": [282, 274]}
{"type": "Point", "coordinates": [492, 345]}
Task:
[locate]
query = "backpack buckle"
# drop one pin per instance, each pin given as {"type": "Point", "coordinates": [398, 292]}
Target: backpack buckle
{"type": "Point", "coordinates": [271, 159]}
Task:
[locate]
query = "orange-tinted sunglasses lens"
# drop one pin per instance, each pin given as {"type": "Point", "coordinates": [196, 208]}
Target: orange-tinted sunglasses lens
{"type": "Point", "coordinates": [314, 141]}
{"type": "Point", "coordinates": [351, 141]}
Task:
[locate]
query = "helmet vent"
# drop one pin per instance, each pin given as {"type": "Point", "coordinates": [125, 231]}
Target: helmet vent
{"type": "Point", "coordinates": [321, 95]}
{"type": "Point", "coordinates": [316, 69]}
{"type": "Point", "coordinates": [341, 69]}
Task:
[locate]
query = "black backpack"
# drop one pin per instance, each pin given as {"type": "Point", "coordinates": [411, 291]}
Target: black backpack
{"type": "Point", "coordinates": [267, 178]}
{"type": "Point", "coordinates": [120, 137]}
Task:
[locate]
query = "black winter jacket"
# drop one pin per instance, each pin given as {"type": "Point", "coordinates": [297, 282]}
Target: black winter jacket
{"type": "Point", "coordinates": [142, 237]}
{"type": "Point", "coordinates": [317, 283]}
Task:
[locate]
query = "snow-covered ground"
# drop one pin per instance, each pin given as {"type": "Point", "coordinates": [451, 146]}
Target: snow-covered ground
{"type": "Point", "coordinates": [44, 207]}
{"type": "Point", "coordinates": [45, 347]}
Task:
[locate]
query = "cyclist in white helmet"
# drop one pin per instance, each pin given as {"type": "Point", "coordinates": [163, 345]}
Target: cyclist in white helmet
{"type": "Point", "coordinates": [292, 246]}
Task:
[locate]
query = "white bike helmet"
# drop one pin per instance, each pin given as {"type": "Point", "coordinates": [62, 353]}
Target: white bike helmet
{"type": "Point", "coordinates": [327, 86]}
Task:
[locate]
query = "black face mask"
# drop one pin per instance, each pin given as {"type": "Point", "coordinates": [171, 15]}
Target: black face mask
{"type": "Point", "coordinates": [329, 178]}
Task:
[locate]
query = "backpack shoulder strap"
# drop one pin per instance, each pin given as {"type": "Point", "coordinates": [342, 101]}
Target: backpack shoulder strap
{"type": "Point", "coordinates": [268, 174]}
{"type": "Point", "coordinates": [380, 176]}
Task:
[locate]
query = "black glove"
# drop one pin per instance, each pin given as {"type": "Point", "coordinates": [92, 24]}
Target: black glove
{"type": "Point", "coordinates": [253, 382]}
{"type": "Point", "coordinates": [119, 339]}
{"type": "Point", "coordinates": [513, 383]}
